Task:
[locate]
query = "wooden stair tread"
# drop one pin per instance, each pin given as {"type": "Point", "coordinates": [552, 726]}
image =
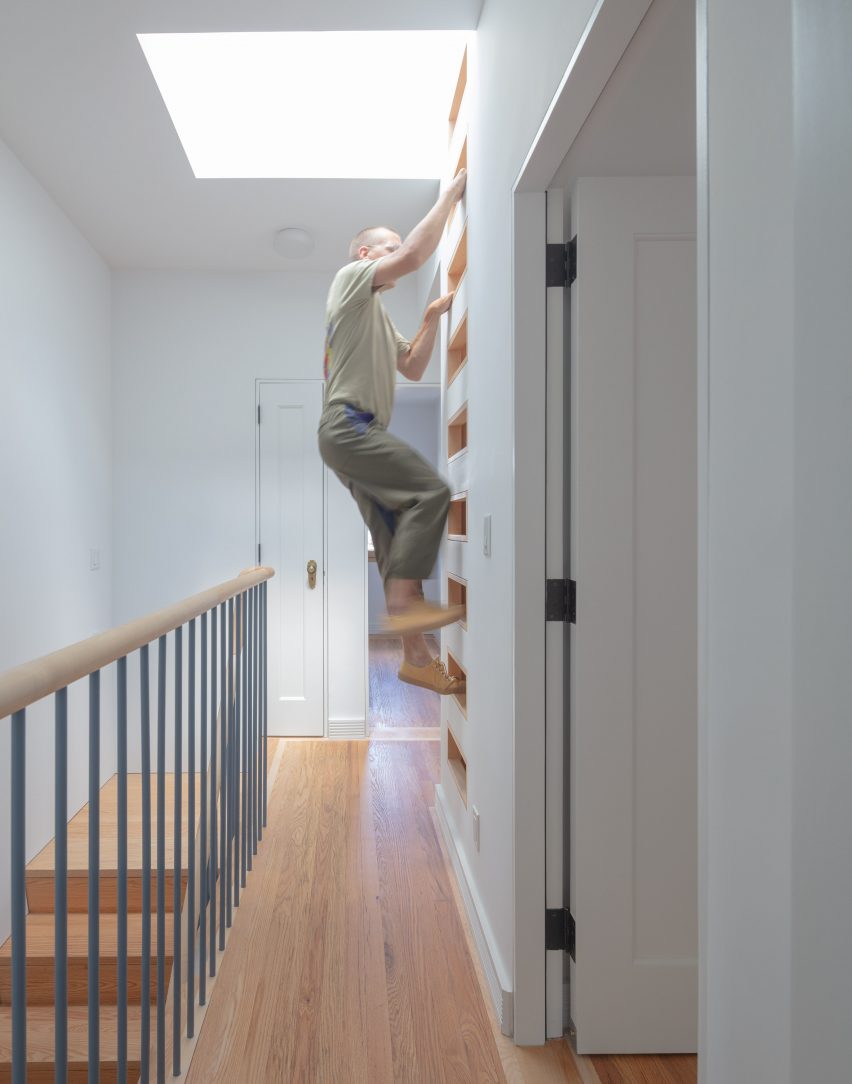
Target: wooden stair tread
{"type": "Point", "coordinates": [41, 936]}
{"type": "Point", "coordinates": [41, 952]}
{"type": "Point", "coordinates": [40, 1033]}
{"type": "Point", "coordinates": [40, 892]}
{"type": "Point", "coordinates": [78, 829]}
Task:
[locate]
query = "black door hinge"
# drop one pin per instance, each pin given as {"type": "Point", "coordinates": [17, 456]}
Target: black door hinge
{"type": "Point", "coordinates": [560, 933]}
{"type": "Point", "coordinates": [561, 263]}
{"type": "Point", "coordinates": [258, 553]}
{"type": "Point", "coordinates": [560, 601]}
{"type": "Point", "coordinates": [258, 413]}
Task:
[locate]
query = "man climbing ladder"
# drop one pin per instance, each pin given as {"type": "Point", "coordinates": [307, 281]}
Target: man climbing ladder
{"type": "Point", "coordinates": [403, 501]}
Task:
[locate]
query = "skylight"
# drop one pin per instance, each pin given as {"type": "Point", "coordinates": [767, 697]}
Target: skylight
{"type": "Point", "coordinates": [333, 104]}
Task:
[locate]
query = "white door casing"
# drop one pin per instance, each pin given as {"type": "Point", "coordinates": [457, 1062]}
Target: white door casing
{"type": "Point", "coordinates": [556, 632]}
{"type": "Point", "coordinates": [633, 789]}
{"type": "Point", "coordinates": [290, 521]}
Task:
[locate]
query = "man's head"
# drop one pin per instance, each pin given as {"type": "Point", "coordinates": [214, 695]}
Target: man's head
{"type": "Point", "coordinates": [373, 243]}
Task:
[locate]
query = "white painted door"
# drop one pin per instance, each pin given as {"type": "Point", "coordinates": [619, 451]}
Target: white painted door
{"type": "Point", "coordinates": [633, 791]}
{"type": "Point", "coordinates": [291, 537]}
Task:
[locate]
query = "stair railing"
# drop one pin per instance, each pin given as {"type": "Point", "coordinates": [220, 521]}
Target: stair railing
{"type": "Point", "coordinates": [226, 664]}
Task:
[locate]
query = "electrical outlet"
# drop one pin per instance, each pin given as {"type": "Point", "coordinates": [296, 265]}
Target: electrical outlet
{"type": "Point", "coordinates": [475, 814]}
{"type": "Point", "coordinates": [94, 560]}
{"type": "Point", "coordinates": [486, 535]}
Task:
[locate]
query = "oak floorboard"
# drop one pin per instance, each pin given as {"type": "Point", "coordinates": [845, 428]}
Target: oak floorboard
{"type": "Point", "coordinates": [430, 974]}
{"type": "Point", "coordinates": [350, 958]}
{"type": "Point", "coordinates": [648, 1069]}
{"type": "Point", "coordinates": [301, 995]}
{"type": "Point", "coordinates": [346, 960]}
{"type": "Point", "coordinates": [394, 703]}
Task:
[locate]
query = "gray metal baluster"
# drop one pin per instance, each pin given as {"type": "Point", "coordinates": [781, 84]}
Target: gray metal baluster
{"type": "Point", "coordinates": [223, 781]}
{"type": "Point", "coordinates": [19, 900]}
{"type": "Point", "coordinates": [238, 699]}
{"type": "Point", "coordinates": [244, 745]}
{"type": "Point", "coordinates": [161, 861]}
{"type": "Point", "coordinates": [204, 883]}
{"type": "Point", "coordinates": [258, 754]}
{"type": "Point", "coordinates": [94, 875]}
{"type": "Point", "coordinates": [190, 854]}
{"type": "Point", "coordinates": [240, 878]}
{"type": "Point", "coordinates": [214, 741]}
{"type": "Point", "coordinates": [257, 783]}
{"type": "Point", "coordinates": [60, 890]}
{"type": "Point", "coordinates": [229, 775]}
{"type": "Point", "coordinates": [190, 845]}
{"type": "Point", "coordinates": [177, 883]}
{"type": "Point", "coordinates": [145, 734]}
{"type": "Point", "coordinates": [121, 898]}
{"type": "Point", "coordinates": [264, 690]}
{"type": "Point", "coordinates": [250, 727]}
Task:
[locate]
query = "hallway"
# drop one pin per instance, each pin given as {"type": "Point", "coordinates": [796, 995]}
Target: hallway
{"type": "Point", "coordinates": [349, 960]}
{"type": "Point", "coordinates": [393, 704]}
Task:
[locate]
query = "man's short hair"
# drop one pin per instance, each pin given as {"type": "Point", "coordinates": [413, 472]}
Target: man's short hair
{"type": "Point", "coordinates": [369, 237]}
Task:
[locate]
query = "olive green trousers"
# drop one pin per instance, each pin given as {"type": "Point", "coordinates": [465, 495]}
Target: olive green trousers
{"type": "Point", "coordinates": [402, 500]}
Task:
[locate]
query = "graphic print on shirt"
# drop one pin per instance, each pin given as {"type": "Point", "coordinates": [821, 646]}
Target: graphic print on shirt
{"type": "Point", "coordinates": [329, 335]}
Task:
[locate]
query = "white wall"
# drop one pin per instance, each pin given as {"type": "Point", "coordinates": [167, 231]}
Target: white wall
{"type": "Point", "coordinates": [188, 348]}
{"type": "Point", "coordinates": [55, 477]}
{"type": "Point", "coordinates": [775, 750]}
{"type": "Point", "coordinates": [516, 67]}
{"type": "Point", "coordinates": [821, 1006]}
{"type": "Point", "coordinates": [415, 422]}
{"type": "Point", "coordinates": [747, 650]}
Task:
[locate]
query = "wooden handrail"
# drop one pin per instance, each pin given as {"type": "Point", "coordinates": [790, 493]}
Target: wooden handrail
{"type": "Point", "coordinates": [23, 685]}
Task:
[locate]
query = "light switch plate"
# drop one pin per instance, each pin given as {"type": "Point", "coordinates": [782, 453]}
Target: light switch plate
{"type": "Point", "coordinates": [486, 535]}
{"type": "Point", "coordinates": [475, 814]}
{"type": "Point", "coordinates": [94, 560]}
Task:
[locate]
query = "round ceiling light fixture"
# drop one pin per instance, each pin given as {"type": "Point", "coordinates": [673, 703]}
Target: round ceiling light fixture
{"type": "Point", "coordinates": [293, 243]}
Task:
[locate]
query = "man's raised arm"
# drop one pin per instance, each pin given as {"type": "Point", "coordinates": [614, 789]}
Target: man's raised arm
{"type": "Point", "coordinates": [416, 249]}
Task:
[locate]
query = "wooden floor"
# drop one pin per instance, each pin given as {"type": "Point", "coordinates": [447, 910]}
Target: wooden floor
{"type": "Point", "coordinates": [393, 703]}
{"type": "Point", "coordinates": [349, 959]}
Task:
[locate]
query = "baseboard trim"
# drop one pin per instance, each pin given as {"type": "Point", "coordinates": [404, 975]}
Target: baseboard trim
{"type": "Point", "coordinates": [348, 729]}
{"type": "Point", "coordinates": [500, 997]}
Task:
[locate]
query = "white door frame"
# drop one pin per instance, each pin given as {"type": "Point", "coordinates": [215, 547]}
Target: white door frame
{"type": "Point", "coordinates": [608, 33]}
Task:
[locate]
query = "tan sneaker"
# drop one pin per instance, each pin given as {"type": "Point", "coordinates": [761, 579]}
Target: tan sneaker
{"type": "Point", "coordinates": [422, 616]}
{"type": "Point", "coordinates": [432, 676]}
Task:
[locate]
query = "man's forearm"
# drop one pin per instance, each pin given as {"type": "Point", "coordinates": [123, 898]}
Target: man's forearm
{"type": "Point", "coordinates": [426, 235]}
{"type": "Point", "coordinates": [417, 360]}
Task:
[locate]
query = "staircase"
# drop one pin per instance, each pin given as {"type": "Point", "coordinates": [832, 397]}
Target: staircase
{"type": "Point", "coordinates": [40, 940]}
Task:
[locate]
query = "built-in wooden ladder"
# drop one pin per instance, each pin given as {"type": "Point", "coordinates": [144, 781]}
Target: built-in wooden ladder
{"type": "Point", "coordinates": [40, 941]}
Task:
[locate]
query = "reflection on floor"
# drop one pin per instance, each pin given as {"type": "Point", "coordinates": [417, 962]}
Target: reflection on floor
{"type": "Point", "coordinates": [348, 962]}
{"type": "Point", "coordinates": [392, 702]}
{"type": "Point", "coordinates": [350, 958]}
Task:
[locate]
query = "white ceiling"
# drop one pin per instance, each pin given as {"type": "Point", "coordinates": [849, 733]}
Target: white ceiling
{"type": "Point", "coordinates": [79, 107]}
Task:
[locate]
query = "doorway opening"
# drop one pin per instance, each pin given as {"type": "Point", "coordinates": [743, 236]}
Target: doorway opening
{"type": "Point", "coordinates": [610, 182]}
{"type": "Point", "coordinates": [394, 704]}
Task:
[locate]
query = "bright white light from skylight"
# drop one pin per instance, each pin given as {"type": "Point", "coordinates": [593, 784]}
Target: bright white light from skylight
{"type": "Point", "coordinates": [336, 104]}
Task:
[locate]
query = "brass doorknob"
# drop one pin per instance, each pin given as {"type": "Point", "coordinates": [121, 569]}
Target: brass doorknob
{"type": "Point", "coordinates": [312, 574]}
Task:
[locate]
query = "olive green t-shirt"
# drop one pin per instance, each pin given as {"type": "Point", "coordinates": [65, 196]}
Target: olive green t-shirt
{"type": "Point", "coordinates": [361, 343]}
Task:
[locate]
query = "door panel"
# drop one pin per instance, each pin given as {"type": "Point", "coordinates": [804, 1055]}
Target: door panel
{"type": "Point", "coordinates": [633, 787]}
{"type": "Point", "coordinates": [291, 536]}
